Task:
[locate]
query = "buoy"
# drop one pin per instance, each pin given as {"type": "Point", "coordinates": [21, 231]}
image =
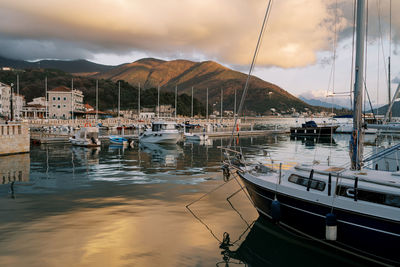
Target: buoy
{"type": "Point", "coordinates": [331, 227]}
{"type": "Point", "coordinates": [275, 210]}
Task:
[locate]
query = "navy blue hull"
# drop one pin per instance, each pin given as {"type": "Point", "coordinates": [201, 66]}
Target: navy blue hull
{"type": "Point", "coordinates": [365, 235]}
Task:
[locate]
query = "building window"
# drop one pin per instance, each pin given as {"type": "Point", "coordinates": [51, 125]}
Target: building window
{"type": "Point", "coordinates": [54, 98]}
{"type": "Point", "coordinates": [58, 98]}
{"type": "Point", "coordinates": [64, 106]}
{"type": "Point", "coordinates": [58, 106]}
{"type": "Point", "coordinates": [54, 106]}
{"type": "Point", "coordinates": [65, 99]}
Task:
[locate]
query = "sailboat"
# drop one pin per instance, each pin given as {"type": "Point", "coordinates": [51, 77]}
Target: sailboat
{"type": "Point", "coordinates": [350, 208]}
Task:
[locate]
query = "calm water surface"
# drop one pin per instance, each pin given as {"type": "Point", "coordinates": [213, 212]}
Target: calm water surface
{"type": "Point", "coordinates": [117, 206]}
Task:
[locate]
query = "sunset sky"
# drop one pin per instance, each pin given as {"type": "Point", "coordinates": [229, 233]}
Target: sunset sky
{"type": "Point", "coordinates": [296, 53]}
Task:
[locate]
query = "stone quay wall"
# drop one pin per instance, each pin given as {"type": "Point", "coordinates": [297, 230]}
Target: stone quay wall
{"type": "Point", "coordinates": [14, 138]}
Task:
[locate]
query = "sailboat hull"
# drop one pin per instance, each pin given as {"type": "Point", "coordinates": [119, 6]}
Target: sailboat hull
{"type": "Point", "coordinates": [364, 235]}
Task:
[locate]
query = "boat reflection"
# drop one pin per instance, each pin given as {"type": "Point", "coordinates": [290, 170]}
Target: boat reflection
{"type": "Point", "coordinates": [310, 141]}
{"type": "Point", "coordinates": [86, 155]}
{"type": "Point", "coordinates": [268, 244]}
{"type": "Point", "coordinates": [207, 142]}
{"type": "Point", "coordinates": [165, 155]}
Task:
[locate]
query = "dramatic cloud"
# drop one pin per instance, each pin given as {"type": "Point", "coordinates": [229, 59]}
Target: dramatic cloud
{"type": "Point", "coordinates": [224, 30]}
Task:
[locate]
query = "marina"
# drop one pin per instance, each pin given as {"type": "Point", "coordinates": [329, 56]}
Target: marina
{"type": "Point", "coordinates": [114, 201]}
{"type": "Point", "coordinates": [180, 133]}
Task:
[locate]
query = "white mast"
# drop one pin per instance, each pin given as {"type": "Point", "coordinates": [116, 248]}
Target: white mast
{"type": "Point", "coordinates": [192, 104]}
{"type": "Point", "coordinates": [207, 106]}
{"type": "Point", "coordinates": [176, 99]}
{"type": "Point", "coordinates": [139, 101]}
{"type": "Point", "coordinates": [97, 99]}
{"type": "Point", "coordinates": [158, 102]}
{"type": "Point", "coordinates": [222, 100]}
{"type": "Point", "coordinates": [356, 147]}
{"type": "Point", "coordinates": [234, 108]}
{"type": "Point", "coordinates": [72, 99]}
{"type": "Point", "coordinates": [119, 98]}
{"type": "Point", "coordinates": [46, 115]}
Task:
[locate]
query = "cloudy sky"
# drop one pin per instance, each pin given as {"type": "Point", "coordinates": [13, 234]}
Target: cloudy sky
{"type": "Point", "coordinates": [296, 54]}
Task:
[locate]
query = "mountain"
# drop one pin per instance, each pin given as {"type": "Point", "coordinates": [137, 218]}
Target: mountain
{"type": "Point", "coordinates": [32, 85]}
{"type": "Point", "coordinates": [150, 73]}
{"type": "Point", "coordinates": [72, 66]}
{"type": "Point", "coordinates": [319, 103]}
{"type": "Point", "coordinates": [185, 74]}
{"type": "Point", "coordinates": [382, 110]}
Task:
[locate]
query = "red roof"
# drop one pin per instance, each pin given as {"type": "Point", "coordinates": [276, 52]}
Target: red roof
{"type": "Point", "coordinates": [61, 89]}
{"type": "Point", "coordinates": [87, 106]}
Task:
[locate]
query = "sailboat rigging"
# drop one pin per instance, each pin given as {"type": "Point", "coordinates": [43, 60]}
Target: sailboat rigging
{"type": "Point", "coordinates": [353, 209]}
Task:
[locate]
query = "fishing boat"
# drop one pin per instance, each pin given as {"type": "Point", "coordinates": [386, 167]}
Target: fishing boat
{"type": "Point", "coordinates": [86, 136]}
{"type": "Point", "coordinates": [161, 132]}
{"type": "Point", "coordinates": [351, 208]}
{"type": "Point", "coordinates": [115, 139]}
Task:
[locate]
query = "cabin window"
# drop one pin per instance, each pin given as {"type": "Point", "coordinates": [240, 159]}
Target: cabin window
{"type": "Point", "coordinates": [369, 196]}
{"type": "Point", "coordinates": [303, 181]}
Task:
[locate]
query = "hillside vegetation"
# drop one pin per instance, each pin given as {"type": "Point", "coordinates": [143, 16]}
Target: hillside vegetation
{"type": "Point", "coordinates": [32, 84]}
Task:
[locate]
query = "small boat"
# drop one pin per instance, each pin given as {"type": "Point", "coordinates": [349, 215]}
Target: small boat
{"type": "Point", "coordinates": [161, 132]}
{"type": "Point", "coordinates": [115, 139]}
{"type": "Point", "coordinates": [196, 136]}
{"type": "Point", "coordinates": [86, 136]}
{"type": "Point", "coordinates": [310, 128]}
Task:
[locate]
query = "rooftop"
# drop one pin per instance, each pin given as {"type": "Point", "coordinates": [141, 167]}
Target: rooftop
{"type": "Point", "coordinates": [61, 89]}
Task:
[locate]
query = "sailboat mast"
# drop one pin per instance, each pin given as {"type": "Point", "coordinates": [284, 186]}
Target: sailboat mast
{"type": "Point", "coordinates": [72, 98]}
{"type": "Point", "coordinates": [97, 99]}
{"type": "Point", "coordinates": [176, 99]}
{"type": "Point", "coordinates": [234, 108]}
{"type": "Point", "coordinates": [158, 101]}
{"type": "Point", "coordinates": [192, 105]}
{"type": "Point", "coordinates": [222, 101]}
{"type": "Point", "coordinates": [119, 98]}
{"type": "Point", "coordinates": [138, 101]}
{"type": "Point", "coordinates": [390, 53]}
{"type": "Point", "coordinates": [207, 106]}
{"type": "Point", "coordinates": [45, 95]}
{"type": "Point", "coordinates": [356, 141]}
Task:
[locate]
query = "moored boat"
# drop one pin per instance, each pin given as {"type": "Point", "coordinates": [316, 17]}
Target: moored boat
{"type": "Point", "coordinates": [161, 132]}
{"type": "Point", "coordinates": [115, 139]}
{"type": "Point", "coordinates": [86, 136]}
{"type": "Point", "coordinates": [310, 128]}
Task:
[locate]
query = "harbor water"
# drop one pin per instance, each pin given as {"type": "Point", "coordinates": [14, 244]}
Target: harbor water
{"type": "Point", "coordinates": [122, 206]}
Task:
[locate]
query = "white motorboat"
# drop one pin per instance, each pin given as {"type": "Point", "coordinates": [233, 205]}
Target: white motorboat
{"type": "Point", "coordinates": [161, 132]}
{"type": "Point", "coordinates": [86, 136]}
{"type": "Point", "coordinates": [196, 136]}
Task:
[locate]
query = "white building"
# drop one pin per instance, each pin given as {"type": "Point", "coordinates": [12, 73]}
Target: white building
{"type": "Point", "coordinates": [5, 94]}
{"type": "Point", "coordinates": [41, 100]}
{"type": "Point", "coordinates": [147, 115]}
{"type": "Point", "coordinates": [18, 104]}
{"type": "Point", "coordinates": [166, 111]}
{"type": "Point", "coordinates": [63, 103]}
